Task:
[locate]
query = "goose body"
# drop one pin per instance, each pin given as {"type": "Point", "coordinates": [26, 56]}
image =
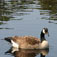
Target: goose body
{"type": "Point", "coordinates": [29, 42]}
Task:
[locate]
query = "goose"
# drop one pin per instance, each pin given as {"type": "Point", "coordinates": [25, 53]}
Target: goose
{"type": "Point", "coordinates": [29, 42]}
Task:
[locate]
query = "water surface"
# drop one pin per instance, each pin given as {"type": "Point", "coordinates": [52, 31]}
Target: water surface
{"type": "Point", "coordinates": [23, 17]}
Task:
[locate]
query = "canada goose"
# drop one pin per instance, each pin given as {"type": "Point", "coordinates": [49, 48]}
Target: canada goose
{"type": "Point", "coordinates": [29, 42]}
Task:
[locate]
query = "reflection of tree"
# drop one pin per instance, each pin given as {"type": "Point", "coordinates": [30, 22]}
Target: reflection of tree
{"type": "Point", "coordinates": [2, 11]}
{"type": "Point", "coordinates": [11, 7]}
{"type": "Point", "coordinates": [27, 1]}
{"type": "Point", "coordinates": [7, 8]}
{"type": "Point", "coordinates": [50, 5]}
{"type": "Point", "coordinates": [1, 0]}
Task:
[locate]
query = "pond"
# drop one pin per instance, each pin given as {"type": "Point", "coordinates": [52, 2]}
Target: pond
{"type": "Point", "coordinates": [28, 17]}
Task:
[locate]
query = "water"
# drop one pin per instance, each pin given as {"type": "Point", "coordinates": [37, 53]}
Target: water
{"type": "Point", "coordinates": [28, 18]}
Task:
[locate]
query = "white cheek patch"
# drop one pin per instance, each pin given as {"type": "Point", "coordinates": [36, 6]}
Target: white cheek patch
{"type": "Point", "coordinates": [44, 31]}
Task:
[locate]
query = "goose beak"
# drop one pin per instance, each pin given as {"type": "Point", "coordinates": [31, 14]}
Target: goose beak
{"type": "Point", "coordinates": [48, 34]}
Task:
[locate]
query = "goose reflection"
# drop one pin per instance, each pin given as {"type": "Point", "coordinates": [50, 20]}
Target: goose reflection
{"type": "Point", "coordinates": [26, 53]}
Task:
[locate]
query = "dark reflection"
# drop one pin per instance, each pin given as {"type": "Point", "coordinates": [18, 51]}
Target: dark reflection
{"type": "Point", "coordinates": [1, 23]}
{"type": "Point", "coordinates": [10, 9]}
{"type": "Point", "coordinates": [26, 53]}
{"type": "Point", "coordinates": [49, 5]}
{"type": "Point", "coordinates": [6, 28]}
{"type": "Point", "coordinates": [53, 17]}
{"type": "Point", "coordinates": [42, 55]}
{"type": "Point", "coordinates": [48, 9]}
{"type": "Point", "coordinates": [17, 19]}
{"type": "Point", "coordinates": [3, 13]}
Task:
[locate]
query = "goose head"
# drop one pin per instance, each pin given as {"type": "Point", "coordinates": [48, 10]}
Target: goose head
{"type": "Point", "coordinates": [45, 31]}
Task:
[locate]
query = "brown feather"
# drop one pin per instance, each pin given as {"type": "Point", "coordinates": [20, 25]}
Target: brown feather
{"type": "Point", "coordinates": [26, 41]}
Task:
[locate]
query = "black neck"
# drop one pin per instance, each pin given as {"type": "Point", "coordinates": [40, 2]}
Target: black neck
{"type": "Point", "coordinates": [42, 36]}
